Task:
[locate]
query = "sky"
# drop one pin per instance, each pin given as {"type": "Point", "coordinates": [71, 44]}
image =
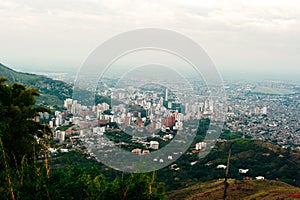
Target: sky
{"type": "Point", "coordinates": [258, 36]}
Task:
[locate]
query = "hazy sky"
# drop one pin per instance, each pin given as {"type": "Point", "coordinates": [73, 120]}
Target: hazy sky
{"type": "Point", "coordinates": [248, 35]}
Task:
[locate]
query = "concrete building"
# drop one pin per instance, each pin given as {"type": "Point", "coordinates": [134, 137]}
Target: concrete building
{"type": "Point", "coordinates": [154, 145]}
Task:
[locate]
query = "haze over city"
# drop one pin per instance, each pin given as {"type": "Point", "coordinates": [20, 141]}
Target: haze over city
{"type": "Point", "coordinates": [244, 38]}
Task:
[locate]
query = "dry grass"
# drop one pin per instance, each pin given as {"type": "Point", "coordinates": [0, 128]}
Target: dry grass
{"type": "Point", "coordinates": [248, 190]}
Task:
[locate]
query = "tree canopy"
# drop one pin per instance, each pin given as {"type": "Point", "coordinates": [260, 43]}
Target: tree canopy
{"type": "Point", "coordinates": [19, 131]}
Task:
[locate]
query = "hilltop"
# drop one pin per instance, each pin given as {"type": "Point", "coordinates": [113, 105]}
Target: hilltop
{"type": "Point", "coordinates": [247, 189]}
{"type": "Point", "coordinates": [53, 92]}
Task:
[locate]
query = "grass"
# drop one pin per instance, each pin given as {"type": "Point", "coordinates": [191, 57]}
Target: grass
{"type": "Point", "coordinates": [194, 189]}
{"type": "Point", "coordinates": [248, 189]}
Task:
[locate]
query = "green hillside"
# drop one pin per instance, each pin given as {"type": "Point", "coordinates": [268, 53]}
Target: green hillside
{"type": "Point", "coordinates": [52, 92]}
{"type": "Point", "coordinates": [262, 159]}
{"type": "Point", "coordinates": [248, 189]}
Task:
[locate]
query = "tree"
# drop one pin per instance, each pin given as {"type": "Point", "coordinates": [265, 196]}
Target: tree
{"type": "Point", "coordinates": [203, 127]}
{"type": "Point", "coordinates": [19, 131]}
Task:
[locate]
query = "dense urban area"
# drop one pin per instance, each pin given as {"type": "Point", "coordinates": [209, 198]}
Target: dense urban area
{"type": "Point", "coordinates": [266, 110]}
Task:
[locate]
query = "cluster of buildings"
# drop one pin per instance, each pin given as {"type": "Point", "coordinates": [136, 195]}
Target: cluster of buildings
{"type": "Point", "coordinates": [142, 112]}
{"type": "Point", "coordinates": [267, 117]}
{"type": "Point", "coordinates": [272, 118]}
{"type": "Point", "coordinates": [143, 109]}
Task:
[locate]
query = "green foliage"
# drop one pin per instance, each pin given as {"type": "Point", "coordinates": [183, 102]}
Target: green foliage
{"type": "Point", "coordinates": [203, 126]}
{"type": "Point", "coordinates": [147, 122]}
{"type": "Point", "coordinates": [227, 135]}
{"type": "Point", "coordinates": [107, 112]}
{"type": "Point", "coordinates": [102, 99]}
{"type": "Point", "coordinates": [64, 128]}
{"type": "Point", "coordinates": [31, 182]}
{"type": "Point", "coordinates": [47, 99]}
{"type": "Point", "coordinates": [17, 126]}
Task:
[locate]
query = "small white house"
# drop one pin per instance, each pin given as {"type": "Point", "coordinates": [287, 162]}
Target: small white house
{"type": "Point", "coordinates": [260, 178]}
{"type": "Point", "coordinates": [64, 150]}
{"type": "Point", "coordinates": [243, 171]}
{"type": "Point", "coordinates": [221, 167]}
{"type": "Point", "coordinates": [193, 163]}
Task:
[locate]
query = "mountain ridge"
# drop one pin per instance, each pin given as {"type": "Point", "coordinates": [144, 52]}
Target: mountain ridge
{"type": "Point", "coordinates": [53, 92]}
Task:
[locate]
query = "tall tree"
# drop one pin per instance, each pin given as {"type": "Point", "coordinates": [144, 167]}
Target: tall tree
{"type": "Point", "coordinates": [19, 131]}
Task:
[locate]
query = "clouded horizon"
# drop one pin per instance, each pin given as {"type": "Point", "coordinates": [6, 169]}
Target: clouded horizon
{"type": "Point", "coordinates": [240, 36]}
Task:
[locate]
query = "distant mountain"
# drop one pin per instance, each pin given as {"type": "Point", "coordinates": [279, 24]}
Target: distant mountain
{"type": "Point", "coordinates": [53, 92]}
{"type": "Point", "coordinates": [246, 189]}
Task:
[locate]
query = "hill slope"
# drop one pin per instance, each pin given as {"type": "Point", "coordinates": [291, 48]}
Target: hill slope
{"type": "Point", "coordinates": [249, 189]}
{"type": "Point", "coordinates": [261, 159]}
{"type": "Point", "coordinates": [52, 92]}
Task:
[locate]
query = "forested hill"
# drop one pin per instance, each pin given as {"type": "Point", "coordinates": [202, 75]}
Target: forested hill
{"type": "Point", "coordinates": [53, 92]}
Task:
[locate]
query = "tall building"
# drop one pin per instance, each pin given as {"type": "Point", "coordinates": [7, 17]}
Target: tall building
{"type": "Point", "coordinates": [201, 145]}
{"type": "Point", "coordinates": [166, 95]}
{"type": "Point", "coordinates": [76, 108]}
{"type": "Point", "coordinates": [169, 121]}
{"type": "Point", "coordinates": [62, 136]}
{"type": "Point", "coordinates": [127, 120]}
{"type": "Point", "coordinates": [264, 110]}
{"type": "Point", "coordinates": [68, 104]}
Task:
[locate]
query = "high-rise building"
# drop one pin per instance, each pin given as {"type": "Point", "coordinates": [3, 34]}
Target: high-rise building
{"type": "Point", "coordinates": [127, 121]}
{"type": "Point", "coordinates": [166, 95]}
{"type": "Point", "coordinates": [264, 110]}
{"type": "Point", "coordinates": [201, 145]}
{"type": "Point", "coordinates": [62, 136]}
{"type": "Point", "coordinates": [68, 104]}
